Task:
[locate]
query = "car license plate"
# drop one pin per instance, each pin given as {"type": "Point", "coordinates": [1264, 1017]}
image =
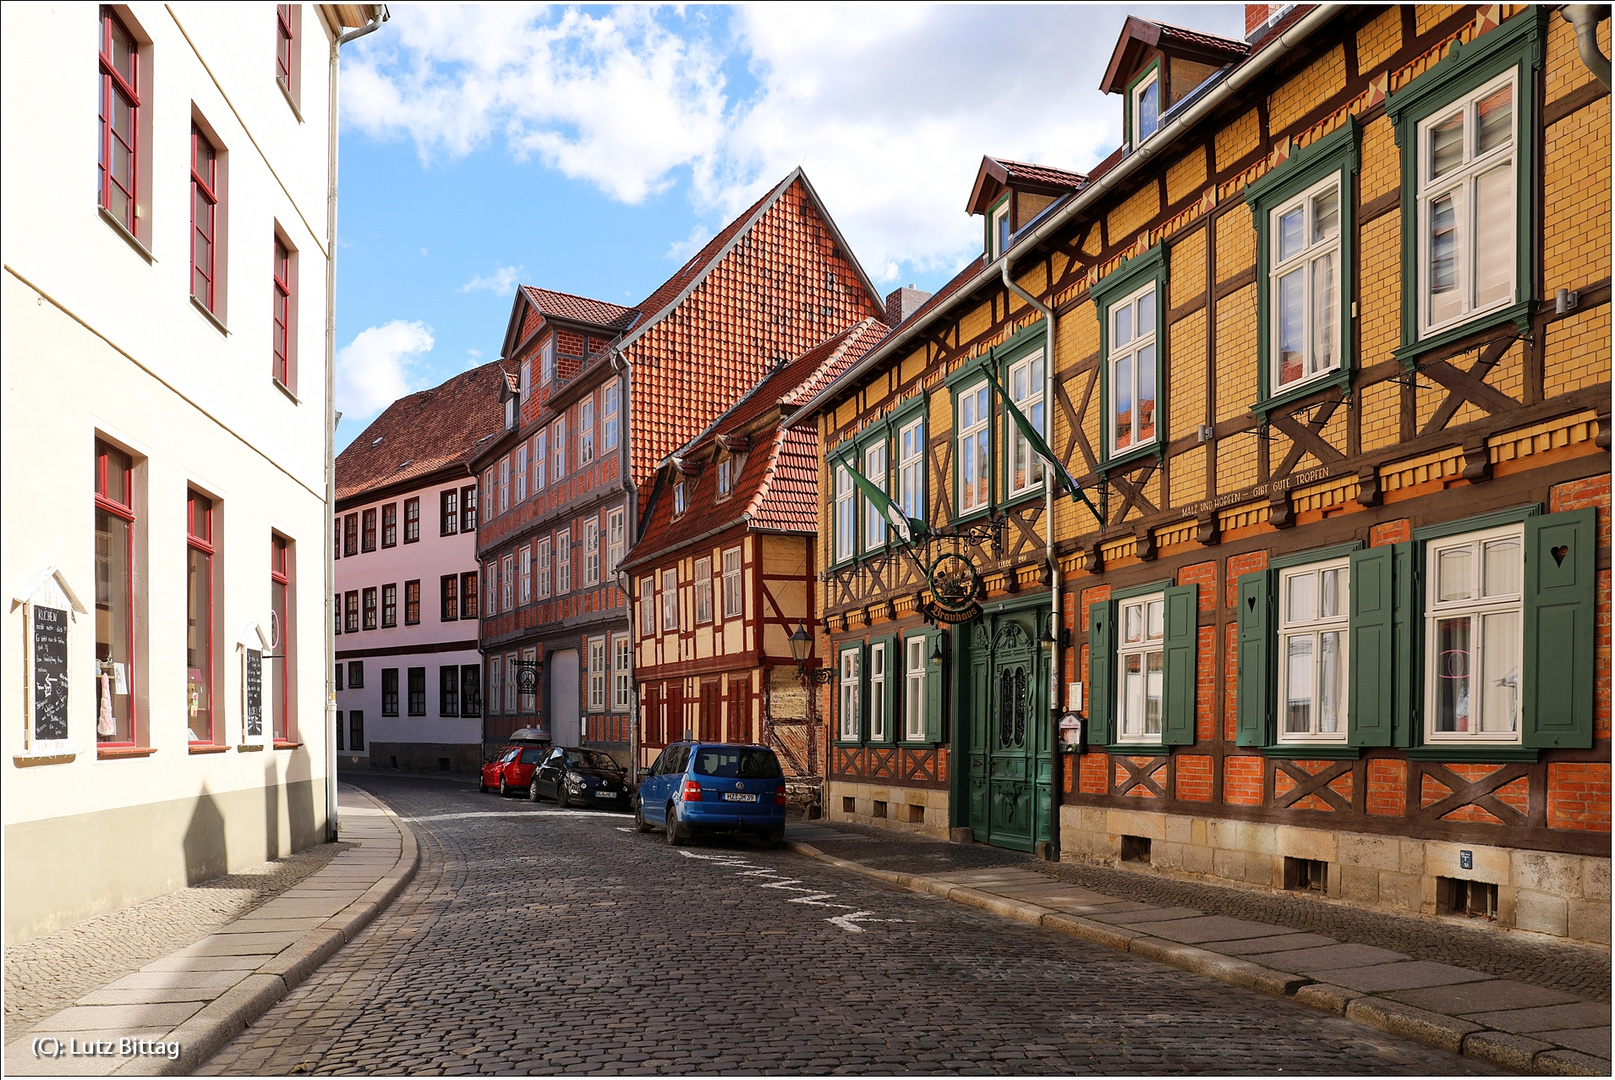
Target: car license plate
{"type": "Point", "coordinates": [732, 796]}
{"type": "Point", "coordinates": [605, 794]}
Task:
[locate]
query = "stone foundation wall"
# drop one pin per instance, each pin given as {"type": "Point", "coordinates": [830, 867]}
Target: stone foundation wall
{"type": "Point", "coordinates": [917, 810]}
{"type": "Point", "coordinates": [1551, 893]}
{"type": "Point", "coordinates": [465, 758]}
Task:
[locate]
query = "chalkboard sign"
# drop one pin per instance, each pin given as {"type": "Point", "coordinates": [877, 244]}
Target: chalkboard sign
{"type": "Point", "coordinates": [50, 674]}
{"type": "Point", "coordinates": [255, 694]}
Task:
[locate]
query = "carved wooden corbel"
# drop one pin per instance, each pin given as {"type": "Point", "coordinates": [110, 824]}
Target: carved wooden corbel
{"type": "Point", "coordinates": [1477, 460]}
{"type": "Point", "coordinates": [1280, 511]}
{"type": "Point", "coordinates": [1144, 537]}
{"type": "Point", "coordinates": [1045, 573]}
{"type": "Point", "coordinates": [1369, 490]}
{"type": "Point", "coordinates": [1601, 440]}
{"type": "Point", "coordinates": [1208, 529]}
{"type": "Point", "coordinates": [1093, 558]}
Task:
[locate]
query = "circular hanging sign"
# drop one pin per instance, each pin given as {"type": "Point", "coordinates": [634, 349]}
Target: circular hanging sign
{"type": "Point", "coordinates": [955, 585]}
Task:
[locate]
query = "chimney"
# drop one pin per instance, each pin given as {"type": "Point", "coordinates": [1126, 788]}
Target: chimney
{"type": "Point", "coordinates": [904, 302]}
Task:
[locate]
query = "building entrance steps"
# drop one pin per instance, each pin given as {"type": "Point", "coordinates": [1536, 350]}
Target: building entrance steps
{"type": "Point", "coordinates": [1520, 1002]}
{"type": "Point", "coordinates": [197, 996]}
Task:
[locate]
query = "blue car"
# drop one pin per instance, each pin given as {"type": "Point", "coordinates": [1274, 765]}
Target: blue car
{"type": "Point", "coordinates": [713, 788]}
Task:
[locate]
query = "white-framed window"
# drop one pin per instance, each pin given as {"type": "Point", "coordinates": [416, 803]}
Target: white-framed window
{"type": "Point", "coordinates": [597, 674]}
{"type": "Point", "coordinates": [526, 559]}
{"type": "Point", "coordinates": [591, 552]}
{"type": "Point", "coordinates": [647, 606]}
{"type": "Point", "coordinates": [496, 670]}
{"type": "Point", "coordinates": [734, 596]}
{"type": "Point", "coordinates": [541, 443]}
{"type": "Point", "coordinates": [507, 582]}
{"type": "Point", "coordinates": [510, 683]}
{"type": "Point", "coordinates": [622, 672]}
{"type": "Point", "coordinates": [526, 379]}
{"type": "Point", "coordinates": [563, 562]}
{"type": "Point", "coordinates": [504, 484]}
{"type": "Point", "coordinates": [488, 494]}
{"type": "Point", "coordinates": [975, 458]}
{"type": "Point", "coordinates": [546, 356]}
{"type": "Point", "coordinates": [1026, 391]}
{"type": "Point", "coordinates": [1132, 367]}
{"type": "Point", "coordinates": [670, 599]}
{"type": "Point", "coordinates": [914, 660]}
{"type": "Point", "coordinates": [1000, 228]}
{"type": "Point", "coordinates": [726, 477]}
{"type": "Point", "coordinates": [1314, 609]}
{"type": "Point", "coordinates": [1468, 165]}
{"type": "Point", "coordinates": [491, 591]}
{"type": "Point", "coordinates": [558, 446]}
{"type": "Point", "coordinates": [679, 505]}
{"type": "Point", "coordinates": [1140, 668]}
{"type": "Point", "coordinates": [846, 514]}
{"type": "Point", "coordinates": [615, 539]}
{"type": "Point", "coordinates": [1305, 285]}
{"type": "Point", "coordinates": [1474, 599]}
{"type": "Point", "coordinates": [545, 568]}
{"type": "Point", "coordinates": [877, 691]}
{"type": "Point", "coordinates": [521, 472]}
{"type": "Point", "coordinates": [875, 473]}
{"type": "Point", "coordinates": [850, 690]}
{"type": "Point", "coordinates": [586, 430]}
{"type": "Point", "coordinates": [703, 590]}
{"type": "Point", "coordinates": [609, 398]}
{"type": "Point", "coordinates": [911, 469]}
{"type": "Point", "coordinates": [1145, 102]}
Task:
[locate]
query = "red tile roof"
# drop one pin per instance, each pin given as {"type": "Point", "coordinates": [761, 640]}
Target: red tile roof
{"type": "Point", "coordinates": [581, 309]}
{"type": "Point", "coordinates": [1138, 36]}
{"type": "Point", "coordinates": [996, 174]}
{"type": "Point", "coordinates": [1024, 172]}
{"type": "Point", "coordinates": [669, 290]}
{"type": "Point", "coordinates": [423, 433]}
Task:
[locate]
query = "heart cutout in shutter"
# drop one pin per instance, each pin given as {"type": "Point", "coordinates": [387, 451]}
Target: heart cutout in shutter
{"type": "Point", "coordinates": [1559, 554]}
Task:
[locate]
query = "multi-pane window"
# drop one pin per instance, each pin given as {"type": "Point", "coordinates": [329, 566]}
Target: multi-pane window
{"type": "Point", "coordinates": [350, 535]}
{"type": "Point", "coordinates": [527, 681]}
{"type": "Point", "coordinates": [726, 478]}
{"type": "Point", "coordinates": [450, 586]}
{"type": "Point", "coordinates": [1026, 391]}
{"type": "Point", "coordinates": [1474, 597]}
{"type": "Point", "coordinates": [911, 469]}
{"type": "Point", "coordinates": [703, 590]}
{"type": "Point", "coordinates": [615, 540]}
{"type": "Point", "coordinates": [114, 596]}
{"type": "Point", "coordinates": [546, 363]}
{"type": "Point", "coordinates": [355, 729]}
{"type": "Point", "coordinates": [544, 568]}
{"type": "Point", "coordinates": [448, 690]}
{"type": "Point", "coordinates": [526, 380]}
{"type": "Point", "coordinates": [1313, 628]}
{"type": "Point", "coordinates": [521, 472]}
{"type": "Point", "coordinates": [468, 509]}
{"type": "Point", "coordinates": [975, 472]}
{"type": "Point", "coordinates": [285, 36]}
{"type": "Point", "coordinates": [1001, 231]}
{"type": "Point", "coordinates": [1305, 285]}
{"type": "Point", "coordinates": [622, 672]}
{"type": "Point", "coordinates": [558, 446]}
{"type": "Point", "coordinates": [496, 671]}
{"type": "Point", "coordinates": [877, 691]}
{"type": "Point", "coordinates": [350, 611]}
{"type": "Point", "coordinates": [647, 606]}
{"type": "Point", "coordinates": [608, 414]}
{"type": "Point", "coordinates": [1131, 366]}
{"type": "Point", "coordinates": [597, 674]}
{"type": "Point", "coordinates": [468, 595]}
{"type": "Point", "coordinates": [524, 556]}
{"type": "Point", "coordinates": [280, 583]}
{"type": "Point", "coordinates": [336, 613]}
{"type": "Point", "coordinates": [504, 484]}
{"type": "Point", "coordinates": [204, 219]}
{"type": "Point", "coordinates": [1467, 205]}
{"type": "Point", "coordinates": [448, 514]}
{"type": "Point", "coordinates": [488, 493]}
{"type": "Point", "coordinates": [389, 525]}
{"type": "Point", "coordinates": [914, 703]}
{"type": "Point", "coordinates": [591, 552]}
{"type": "Point", "coordinates": [281, 340]}
{"type": "Point", "coordinates": [850, 696]}
{"type": "Point", "coordinates": [1146, 106]}
{"type": "Point", "coordinates": [368, 532]}
{"type": "Point", "coordinates": [199, 616]}
{"type": "Point", "coordinates": [734, 594]}
{"type": "Point", "coordinates": [507, 582]}
{"type": "Point", "coordinates": [370, 608]}
{"type": "Point", "coordinates": [541, 443]}
{"type": "Point", "coordinates": [412, 602]}
{"type": "Point", "coordinates": [417, 691]}
{"type": "Point", "coordinates": [563, 562]}
{"type": "Point", "coordinates": [389, 691]}
{"type": "Point", "coordinates": [510, 683]}
{"type": "Point", "coordinates": [1140, 666]}
{"type": "Point", "coordinates": [355, 674]}
{"type": "Point", "coordinates": [389, 605]}
{"type": "Point", "coordinates": [875, 472]}
{"type": "Point", "coordinates": [846, 514]}
{"type": "Point", "coordinates": [471, 690]}
{"type": "Point", "coordinates": [412, 520]}
{"type": "Point", "coordinates": [679, 502]}
{"type": "Point", "coordinates": [586, 430]}
{"type": "Point", "coordinates": [670, 599]}
{"type": "Point", "coordinates": [118, 149]}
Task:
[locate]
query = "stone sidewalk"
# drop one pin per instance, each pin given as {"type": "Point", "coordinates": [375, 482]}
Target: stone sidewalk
{"type": "Point", "coordinates": [167, 1017]}
{"type": "Point", "coordinates": [1507, 1022]}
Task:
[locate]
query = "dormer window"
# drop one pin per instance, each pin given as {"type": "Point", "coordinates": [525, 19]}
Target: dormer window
{"type": "Point", "coordinates": [1001, 228]}
{"type": "Point", "coordinates": [726, 481]}
{"type": "Point", "coordinates": [678, 499]}
{"type": "Point", "coordinates": [510, 413]}
{"type": "Point", "coordinates": [547, 360]}
{"type": "Point", "coordinates": [1146, 105]}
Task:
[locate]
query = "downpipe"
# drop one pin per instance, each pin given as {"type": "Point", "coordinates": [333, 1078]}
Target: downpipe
{"type": "Point", "coordinates": [1585, 18]}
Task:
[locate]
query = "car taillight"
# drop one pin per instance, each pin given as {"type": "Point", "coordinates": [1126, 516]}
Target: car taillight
{"type": "Point", "coordinates": [779, 796]}
{"type": "Point", "coordinates": [692, 791]}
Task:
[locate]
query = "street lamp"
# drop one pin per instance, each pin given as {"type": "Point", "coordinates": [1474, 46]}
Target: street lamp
{"type": "Point", "coordinates": [801, 646]}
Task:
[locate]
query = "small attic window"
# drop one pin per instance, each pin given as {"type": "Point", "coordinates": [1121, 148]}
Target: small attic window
{"type": "Point", "coordinates": [1145, 101]}
{"type": "Point", "coordinates": [377, 441]}
{"type": "Point", "coordinates": [726, 477]}
{"type": "Point", "coordinates": [1001, 230]}
{"type": "Point", "coordinates": [678, 499]}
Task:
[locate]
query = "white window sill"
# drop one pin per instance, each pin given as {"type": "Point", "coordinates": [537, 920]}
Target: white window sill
{"type": "Point", "coordinates": [283, 388]}
{"type": "Point", "coordinates": [130, 238]}
{"type": "Point", "coordinates": [218, 324]}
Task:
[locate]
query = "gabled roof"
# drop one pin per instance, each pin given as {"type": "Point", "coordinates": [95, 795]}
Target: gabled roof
{"type": "Point", "coordinates": [996, 174]}
{"type": "Point", "coordinates": [1138, 36]}
{"type": "Point", "coordinates": [423, 433]}
{"type": "Point", "coordinates": [560, 305]}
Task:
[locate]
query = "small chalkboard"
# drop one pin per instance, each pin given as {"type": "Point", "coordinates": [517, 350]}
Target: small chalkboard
{"type": "Point", "coordinates": [255, 694]}
{"type": "Point", "coordinates": [50, 674]}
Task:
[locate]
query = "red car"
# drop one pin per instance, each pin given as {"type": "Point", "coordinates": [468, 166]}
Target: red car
{"type": "Point", "coordinates": [511, 770]}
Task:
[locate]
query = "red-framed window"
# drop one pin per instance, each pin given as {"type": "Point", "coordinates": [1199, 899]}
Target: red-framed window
{"type": "Point", "coordinates": [350, 612]}
{"type": "Point", "coordinates": [389, 525]}
{"type": "Point", "coordinates": [285, 35]}
{"type": "Point", "coordinates": [350, 535]}
{"type": "Point", "coordinates": [204, 218]}
{"type": "Point", "coordinates": [468, 509]}
{"type": "Point", "coordinates": [389, 605]}
{"type": "Point", "coordinates": [370, 608]}
{"type": "Point", "coordinates": [412, 520]}
{"type": "Point", "coordinates": [369, 531]}
{"type": "Point", "coordinates": [120, 120]}
{"type": "Point", "coordinates": [283, 313]}
{"type": "Point", "coordinates": [114, 597]}
{"type": "Point", "coordinates": [199, 619]}
{"type": "Point", "coordinates": [412, 602]}
{"type": "Point", "coordinates": [280, 587]}
{"type": "Point", "coordinates": [468, 595]}
{"type": "Point", "coordinates": [451, 598]}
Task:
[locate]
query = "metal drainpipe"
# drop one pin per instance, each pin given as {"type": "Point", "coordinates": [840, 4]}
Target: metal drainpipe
{"type": "Point", "coordinates": [1585, 18]}
{"type": "Point", "coordinates": [630, 528]}
{"type": "Point", "coordinates": [1048, 526]}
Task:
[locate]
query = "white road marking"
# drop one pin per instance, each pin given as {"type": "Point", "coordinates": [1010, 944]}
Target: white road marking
{"type": "Point", "coordinates": [513, 813]}
{"type": "Point", "coordinates": [849, 922]}
{"type": "Point", "coordinates": [785, 884]}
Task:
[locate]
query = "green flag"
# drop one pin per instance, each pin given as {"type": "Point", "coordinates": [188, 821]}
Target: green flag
{"type": "Point", "coordinates": [1039, 446]}
{"type": "Point", "coordinates": [907, 529]}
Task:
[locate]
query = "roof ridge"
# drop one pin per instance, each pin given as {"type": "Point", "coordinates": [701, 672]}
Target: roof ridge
{"type": "Point", "coordinates": [578, 296]}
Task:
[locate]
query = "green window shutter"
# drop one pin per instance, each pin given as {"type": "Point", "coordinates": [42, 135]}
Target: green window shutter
{"type": "Point", "coordinates": [933, 688]}
{"type": "Point", "coordinates": [1370, 708]}
{"type": "Point", "coordinates": [1101, 668]}
{"type": "Point", "coordinates": [894, 680]}
{"type": "Point", "coordinates": [1254, 672]}
{"type": "Point", "coordinates": [1407, 628]}
{"type": "Point", "coordinates": [1560, 592]}
{"type": "Point", "coordinates": [1181, 676]}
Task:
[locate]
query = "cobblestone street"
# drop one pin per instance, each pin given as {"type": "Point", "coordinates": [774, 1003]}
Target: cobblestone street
{"type": "Point", "coordinates": [540, 940]}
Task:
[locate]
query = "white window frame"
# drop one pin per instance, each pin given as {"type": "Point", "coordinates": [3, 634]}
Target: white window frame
{"type": "Point", "coordinates": [545, 567]}
{"type": "Point", "coordinates": [504, 483]}
{"type": "Point", "coordinates": [647, 606]}
{"type": "Point", "coordinates": [876, 470]}
{"type": "Point", "coordinates": [846, 515]}
{"type": "Point", "coordinates": [597, 674]}
{"type": "Point", "coordinates": [546, 355]}
{"type": "Point", "coordinates": [1467, 252]}
{"type": "Point", "coordinates": [541, 443]}
{"type": "Point", "coordinates": [1314, 308]}
{"type": "Point", "coordinates": [510, 684]}
{"type": "Point", "coordinates": [615, 539]}
{"type": "Point", "coordinates": [726, 474]}
{"type": "Point", "coordinates": [703, 590]}
{"type": "Point", "coordinates": [1132, 714]}
{"type": "Point", "coordinates": [1313, 630]}
{"type": "Point", "coordinates": [911, 469]}
{"type": "Point", "coordinates": [734, 585]}
{"type": "Point", "coordinates": [847, 718]}
{"type": "Point", "coordinates": [622, 672]}
{"type": "Point", "coordinates": [878, 675]}
{"type": "Point", "coordinates": [1132, 352]}
{"type": "Point", "coordinates": [563, 562]}
{"type": "Point", "coordinates": [521, 473]}
{"type": "Point", "coordinates": [585, 431]}
{"type": "Point", "coordinates": [679, 503]}
{"type": "Point", "coordinates": [507, 582]}
{"type": "Point", "coordinates": [496, 684]}
{"type": "Point", "coordinates": [1000, 228]}
{"type": "Point", "coordinates": [609, 396]}
{"type": "Point", "coordinates": [1477, 608]}
{"type": "Point", "coordinates": [914, 688]}
{"type": "Point", "coordinates": [558, 446]}
{"type": "Point", "coordinates": [1024, 381]}
{"type": "Point", "coordinates": [1135, 98]}
{"type": "Point", "coordinates": [670, 599]}
{"type": "Point", "coordinates": [526, 570]}
{"type": "Point", "coordinates": [591, 551]}
{"type": "Point", "coordinates": [975, 461]}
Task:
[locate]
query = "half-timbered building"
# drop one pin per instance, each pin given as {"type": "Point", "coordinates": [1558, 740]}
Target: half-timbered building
{"type": "Point", "coordinates": [1324, 514]}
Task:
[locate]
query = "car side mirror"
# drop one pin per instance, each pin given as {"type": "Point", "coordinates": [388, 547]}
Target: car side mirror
{"type": "Point", "coordinates": [643, 773]}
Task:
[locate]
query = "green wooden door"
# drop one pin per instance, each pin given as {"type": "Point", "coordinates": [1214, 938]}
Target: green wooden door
{"type": "Point", "coordinates": [1009, 757]}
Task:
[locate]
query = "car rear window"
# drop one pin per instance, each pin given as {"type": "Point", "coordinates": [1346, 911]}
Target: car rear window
{"type": "Point", "coordinates": [533, 756]}
{"type": "Point", "coordinates": [744, 762]}
{"type": "Point", "coordinates": [594, 759]}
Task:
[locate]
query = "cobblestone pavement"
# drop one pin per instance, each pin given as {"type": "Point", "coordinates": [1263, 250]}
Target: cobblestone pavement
{"type": "Point", "coordinates": [1577, 969]}
{"type": "Point", "coordinates": [47, 974]}
{"type": "Point", "coordinates": [548, 941]}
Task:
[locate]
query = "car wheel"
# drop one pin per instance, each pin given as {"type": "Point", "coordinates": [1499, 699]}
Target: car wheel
{"type": "Point", "coordinates": [562, 799]}
{"type": "Point", "coordinates": [482, 785]}
{"type": "Point", "coordinates": [639, 818]}
{"type": "Point", "coordinates": [675, 833]}
{"type": "Point", "coordinates": [504, 788]}
{"type": "Point", "coordinates": [532, 790]}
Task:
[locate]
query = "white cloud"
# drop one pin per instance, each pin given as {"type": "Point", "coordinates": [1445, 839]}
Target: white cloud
{"type": "Point", "coordinates": [889, 108]}
{"type": "Point", "coordinates": [381, 365]}
{"type": "Point", "coordinates": [502, 282]}
{"type": "Point", "coordinates": [681, 250]}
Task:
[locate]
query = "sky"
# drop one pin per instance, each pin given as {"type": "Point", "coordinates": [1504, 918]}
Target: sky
{"type": "Point", "coordinates": [592, 150]}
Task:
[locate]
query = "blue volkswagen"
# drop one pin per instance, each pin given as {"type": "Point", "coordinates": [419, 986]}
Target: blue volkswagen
{"type": "Point", "coordinates": [713, 788]}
